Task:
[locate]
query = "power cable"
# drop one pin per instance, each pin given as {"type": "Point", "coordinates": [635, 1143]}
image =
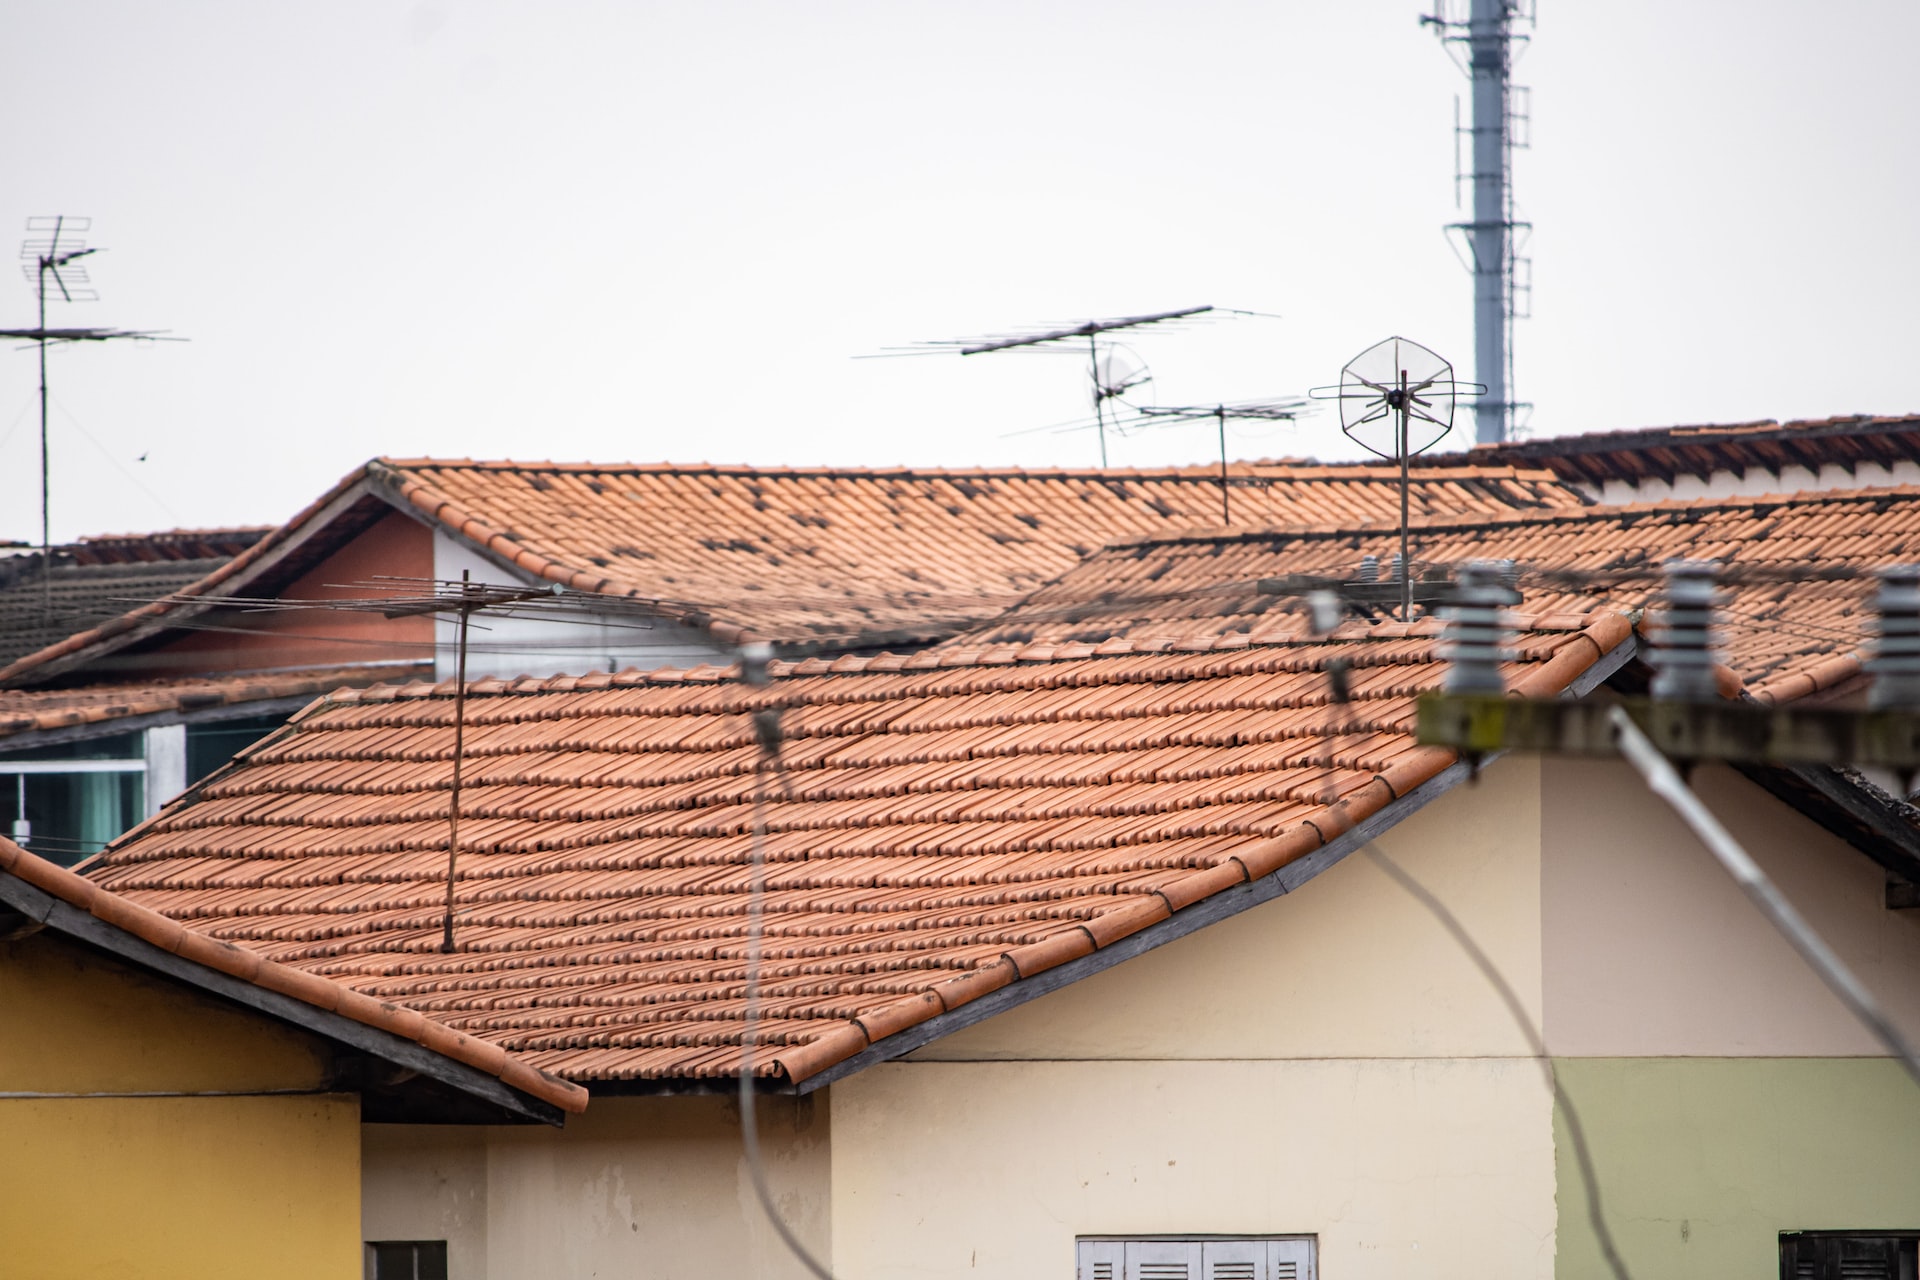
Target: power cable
{"type": "Point", "coordinates": [1576, 1131]}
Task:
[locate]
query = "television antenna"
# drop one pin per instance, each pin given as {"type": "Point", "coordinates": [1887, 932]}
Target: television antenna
{"type": "Point", "coordinates": [55, 256]}
{"type": "Point", "coordinates": [1254, 410]}
{"type": "Point", "coordinates": [1396, 400]}
{"type": "Point", "coordinates": [1108, 380]}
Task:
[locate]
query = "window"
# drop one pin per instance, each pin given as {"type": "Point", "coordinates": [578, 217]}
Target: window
{"type": "Point", "coordinates": [406, 1260]}
{"type": "Point", "coordinates": [1849, 1255]}
{"type": "Point", "coordinates": [66, 801]}
{"type": "Point", "coordinates": [1195, 1258]}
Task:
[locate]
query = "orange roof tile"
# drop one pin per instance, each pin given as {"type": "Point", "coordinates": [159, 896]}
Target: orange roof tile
{"type": "Point", "coordinates": [875, 555]}
{"type": "Point", "coordinates": [24, 711]}
{"type": "Point", "coordinates": [1206, 585]}
{"type": "Point", "coordinates": [945, 824]}
{"type": "Point", "coordinates": [848, 557]}
{"type": "Point", "coordinates": [200, 949]}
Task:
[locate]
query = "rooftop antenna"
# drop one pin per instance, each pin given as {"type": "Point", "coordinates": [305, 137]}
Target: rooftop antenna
{"type": "Point", "coordinates": [1109, 382]}
{"type": "Point", "coordinates": [1256, 410]}
{"type": "Point", "coordinates": [1502, 278]}
{"type": "Point", "coordinates": [1396, 400]}
{"type": "Point", "coordinates": [54, 255]}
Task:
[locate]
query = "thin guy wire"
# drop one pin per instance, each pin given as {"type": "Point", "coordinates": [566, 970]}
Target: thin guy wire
{"type": "Point", "coordinates": [1664, 781]}
{"type": "Point", "coordinates": [1596, 1212]}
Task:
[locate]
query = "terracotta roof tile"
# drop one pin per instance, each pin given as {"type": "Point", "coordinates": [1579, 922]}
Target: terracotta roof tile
{"type": "Point", "coordinates": [25, 711]}
{"type": "Point", "coordinates": [935, 833]}
{"type": "Point", "coordinates": [1177, 588]}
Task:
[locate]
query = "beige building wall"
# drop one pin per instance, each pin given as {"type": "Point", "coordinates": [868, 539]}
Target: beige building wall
{"type": "Point", "coordinates": [1651, 951]}
{"type": "Point", "coordinates": [637, 1188]}
{"type": "Point", "coordinates": [1327, 1063]}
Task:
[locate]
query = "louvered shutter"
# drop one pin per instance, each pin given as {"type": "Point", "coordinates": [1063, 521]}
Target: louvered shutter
{"type": "Point", "coordinates": [1290, 1259]}
{"type": "Point", "coordinates": [1237, 1260]}
{"type": "Point", "coordinates": [1100, 1260]}
{"type": "Point", "coordinates": [1163, 1260]}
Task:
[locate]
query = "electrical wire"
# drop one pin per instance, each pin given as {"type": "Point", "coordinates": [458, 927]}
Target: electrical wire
{"type": "Point", "coordinates": [1576, 1131]}
{"type": "Point", "coordinates": [769, 759]}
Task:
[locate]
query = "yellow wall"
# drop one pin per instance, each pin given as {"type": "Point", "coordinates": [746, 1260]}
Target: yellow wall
{"type": "Point", "coordinates": [263, 1183]}
{"type": "Point", "coordinates": [642, 1188]}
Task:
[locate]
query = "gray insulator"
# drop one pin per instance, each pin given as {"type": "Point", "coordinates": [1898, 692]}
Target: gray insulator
{"type": "Point", "coordinates": [1896, 651]}
{"type": "Point", "coordinates": [1476, 641]}
{"type": "Point", "coordinates": [754, 659]}
{"type": "Point", "coordinates": [1510, 574]}
{"type": "Point", "coordinates": [1397, 568]}
{"type": "Point", "coordinates": [1369, 569]}
{"type": "Point", "coordinates": [1683, 654]}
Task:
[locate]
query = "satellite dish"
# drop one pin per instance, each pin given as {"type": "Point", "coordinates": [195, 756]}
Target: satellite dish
{"type": "Point", "coordinates": [1118, 370]}
{"type": "Point", "coordinates": [1396, 399]}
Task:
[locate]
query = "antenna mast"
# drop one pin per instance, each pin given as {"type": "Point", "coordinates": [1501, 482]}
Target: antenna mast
{"type": "Point", "coordinates": [1502, 279]}
{"type": "Point", "coordinates": [54, 258]}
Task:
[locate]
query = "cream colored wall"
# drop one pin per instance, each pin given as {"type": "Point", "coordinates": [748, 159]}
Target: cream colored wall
{"type": "Point", "coordinates": [1438, 1167]}
{"type": "Point", "coordinates": [636, 1187]}
{"type": "Point", "coordinates": [1328, 1062]}
{"type": "Point", "coordinates": [1650, 950]}
{"type": "Point", "coordinates": [1346, 966]}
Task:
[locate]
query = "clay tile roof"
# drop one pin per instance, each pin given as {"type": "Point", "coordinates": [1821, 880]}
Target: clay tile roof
{"type": "Point", "coordinates": [935, 832]}
{"type": "Point", "coordinates": [874, 555]}
{"type": "Point", "coordinates": [28, 711]}
{"type": "Point", "coordinates": [1662, 453]}
{"type": "Point", "coordinates": [1162, 589]}
{"type": "Point", "coordinates": [201, 949]}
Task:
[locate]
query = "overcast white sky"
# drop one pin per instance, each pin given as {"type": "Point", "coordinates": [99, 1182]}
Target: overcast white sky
{"type": "Point", "coordinates": [660, 231]}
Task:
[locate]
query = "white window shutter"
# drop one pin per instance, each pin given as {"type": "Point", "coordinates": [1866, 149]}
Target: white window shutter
{"type": "Point", "coordinates": [1290, 1260]}
{"type": "Point", "coordinates": [1163, 1260]}
{"type": "Point", "coordinates": [1100, 1259]}
{"type": "Point", "coordinates": [1237, 1260]}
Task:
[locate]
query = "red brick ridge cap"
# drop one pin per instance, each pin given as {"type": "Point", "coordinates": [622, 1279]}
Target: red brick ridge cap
{"type": "Point", "coordinates": [1415, 768]}
{"type": "Point", "coordinates": [171, 936]}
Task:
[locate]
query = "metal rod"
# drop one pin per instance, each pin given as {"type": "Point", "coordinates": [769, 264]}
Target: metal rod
{"type": "Point", "coordinates": [46, 520]}
{"type": "Point", "coordinates": [1664, 781]}
{"type": "Point", "coordinates": [459, 744]}
{"type": "Point", "coordinates": [1406, 558]}
{"type": "Point", "coordinates": [1099, 399]}
{"type": "Point", "coordinates": [1220, 416]}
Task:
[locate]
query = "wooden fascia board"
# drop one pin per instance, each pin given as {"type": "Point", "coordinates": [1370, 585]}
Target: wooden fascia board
{"type": "Point", "coordinates": [1856, 814]}
{"type": "Point", "coordinates": [71, 922]}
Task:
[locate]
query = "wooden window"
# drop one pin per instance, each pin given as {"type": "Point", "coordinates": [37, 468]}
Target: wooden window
{"type": "Point", "coordinates": [1195, 1258]}
{"type": "Point", "coordinates": [1850, 1255]}
{"type": "Point", "coordinates": [406, 1260]}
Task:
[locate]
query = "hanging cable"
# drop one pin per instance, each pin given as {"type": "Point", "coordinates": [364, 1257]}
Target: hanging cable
{"type": "Point", "coordinates": [1576, 1131]}
{"type": "Point", "coordinates": [754, 659]}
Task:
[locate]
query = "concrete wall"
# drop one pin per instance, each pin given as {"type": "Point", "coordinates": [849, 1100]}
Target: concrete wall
{"type": "Point", "coordinates": [637, 1188]}
{"type": "Point", "coordinates": [1651, 951]}
{"type": "Point", "coordinates": [509, 647]}
{"type": "Point", "coordinates": [1327, 1063]}
{"type": "Point", "coordinates": [1703, 1162]}
{"type": "Point", "coordinates": [109, 1171]}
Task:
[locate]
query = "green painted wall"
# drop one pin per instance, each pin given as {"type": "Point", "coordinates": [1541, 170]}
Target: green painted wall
{"type": "Point", "coordinates": [1702, 1162]}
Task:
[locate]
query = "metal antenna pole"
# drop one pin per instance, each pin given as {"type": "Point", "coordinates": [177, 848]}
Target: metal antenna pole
{"type": "Point", "coordinates": [1492, 230]}
{"type": "Point", "coordinates": [1220, 417]}
{"type": "Point", "coordinates": [1099, 400]}
{"type": "Point", "coordinates": [46, 488]}
{"type": "Point", "coordinates": [459, 744]}
{"type": "Point", "coordinates": [1406, 557]}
